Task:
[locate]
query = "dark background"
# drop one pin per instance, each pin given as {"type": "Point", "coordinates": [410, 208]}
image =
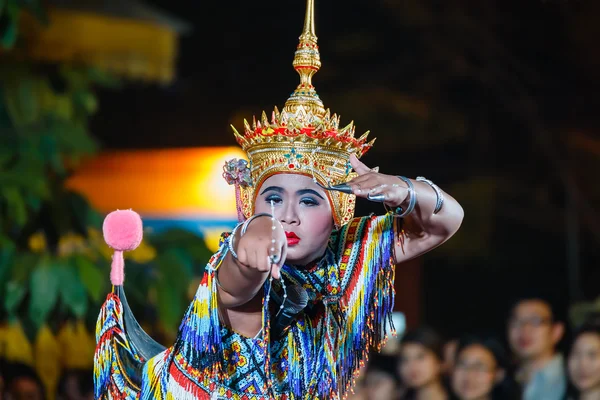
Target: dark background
{"type": "Point", "coordinates": [496, 101]}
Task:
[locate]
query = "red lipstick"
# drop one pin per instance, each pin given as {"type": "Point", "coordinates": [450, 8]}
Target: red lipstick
{"type": "Point", "coordinates": [292, 238]}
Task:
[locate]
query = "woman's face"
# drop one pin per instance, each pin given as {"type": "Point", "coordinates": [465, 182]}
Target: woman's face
{"type": "Point", "coordinates": [419, 366]}
{"type": "Point", "coordinates": [584, 362]}
{"type": "Point", "coordinates": [475, 373]}
{"type": "Point", "coordinates": [380, 385]}
{"type": "Point", "coordinates": [303, 209]}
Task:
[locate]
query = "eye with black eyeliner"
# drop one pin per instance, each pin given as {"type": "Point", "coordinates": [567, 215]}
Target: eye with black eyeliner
{"type": "Point", "coordinates": [274, 198]}
{"type": "Point", "coordinates": [309, 201]}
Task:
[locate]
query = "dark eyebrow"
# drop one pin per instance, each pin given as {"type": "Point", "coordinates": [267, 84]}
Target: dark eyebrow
{"type": "Point", "coordinates": [272, 189]}
{"type": "Point", "coordinates": [310, 191]}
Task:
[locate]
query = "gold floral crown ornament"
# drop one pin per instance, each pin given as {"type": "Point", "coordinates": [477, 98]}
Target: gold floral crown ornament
{"type": "Point", "coordinates": [304, 138]}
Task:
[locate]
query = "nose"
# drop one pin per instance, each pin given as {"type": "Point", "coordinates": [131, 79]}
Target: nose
{"type": "Point", "coordinates": [289, 214]}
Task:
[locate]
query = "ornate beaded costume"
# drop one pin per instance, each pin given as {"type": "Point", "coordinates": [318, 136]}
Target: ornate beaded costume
{"type": "Point", "coordinates": [350, 289]}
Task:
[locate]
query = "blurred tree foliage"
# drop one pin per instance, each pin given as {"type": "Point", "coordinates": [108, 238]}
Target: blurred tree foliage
{"type": "Point", "coordinates": [54, 265]}
{"type": "Point", "coordinates": [43, 122]}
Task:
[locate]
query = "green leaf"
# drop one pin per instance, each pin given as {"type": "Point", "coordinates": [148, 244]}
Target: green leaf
{"type": "Point", "coordinates": [72, 291]}
{"type": "Point", "coordinates": [2, 5]}
{"type": "Point", "coordinates": [175, 269]}
{"type": "Point", "coordinates": [52, 154]}
{"type": "Point", "coordinates": [87, 101]}
{"type": "Point", "coordinates": [33, 201]}
{"type": "Point", "coordinates": [7, 251]}
{"type": "Point", "coordinates": [60, 216]}
{"type": "Point", "coordinates": [24, 264]}
{"type": "Point", "coordinates": [84, 215]}
{"type": "Point", "coordinates": [103, 78]}
{"type": "Point", "coordinates": [17, 208]}
{"type": "Point", "coordinates": [91, 276]}
{"type": "Point", "coordinates": [22, 100]}
{"type": "Point", "coordinates": [73, 137]}
{"type": "Point", "coordinates": [15, 292]}
{"type": "Point", "coordinates": [9, 34]}
{"type": "Point", "coordinates": [44, 289]}
{"type": "Point", "coordinates": [169, 305]}
{"type": "Point", "coordinates": [62, 108]}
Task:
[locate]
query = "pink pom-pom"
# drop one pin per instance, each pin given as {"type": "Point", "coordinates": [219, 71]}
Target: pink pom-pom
{"type": "Point", "coordinates": [123, 230]}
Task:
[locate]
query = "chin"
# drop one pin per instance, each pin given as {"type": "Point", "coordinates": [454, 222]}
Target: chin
{"type": "Point", "coordinates": [293, 256]}
{"type": "Point", "coordinates": [415, 384]}
{"type": "Point", "coordinates": [297, 253]}
{"type": "Point", "coordinates": [584, 385]}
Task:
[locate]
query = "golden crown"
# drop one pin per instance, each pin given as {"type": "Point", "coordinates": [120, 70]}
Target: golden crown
{"type": "Point", "coordinates": [304, 138]}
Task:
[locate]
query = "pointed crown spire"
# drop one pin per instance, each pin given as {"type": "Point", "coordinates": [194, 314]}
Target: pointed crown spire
{"type": "Point", "coordinates": [307, 61]}
{"type": "Point", "coordinates": [304, 138]}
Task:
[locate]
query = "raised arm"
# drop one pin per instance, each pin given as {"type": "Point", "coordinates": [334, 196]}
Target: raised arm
{"type": "Point", "coordinates": [240, 277]}
{"type": "Point", "coordinates": [423, 229]}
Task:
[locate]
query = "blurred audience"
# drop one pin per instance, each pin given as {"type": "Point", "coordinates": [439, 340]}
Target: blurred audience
{"type": "Point", "coordinates": [382, 381]}
{"type": "Point", "coordinates": [450, 348]}
{"type": "Point", "coordinates": [76, 385]}
{"type": "Point", "coordinates": [534, 332]}
{"type": "Point", "coordinates": [481, 371]}
{"type": "Point", "coordinates": [584, 363]}
{"type": "Point", "coordinates": [23, 383]}
{"type": "Point", "coordinates": [421, 365]}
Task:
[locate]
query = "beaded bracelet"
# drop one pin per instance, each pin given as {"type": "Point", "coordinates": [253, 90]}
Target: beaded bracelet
{"type": "Point", "coordinates": [439, 202]}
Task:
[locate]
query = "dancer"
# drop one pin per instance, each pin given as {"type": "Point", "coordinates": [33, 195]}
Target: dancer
{"type": "Point", "coordinates": [300, 291]}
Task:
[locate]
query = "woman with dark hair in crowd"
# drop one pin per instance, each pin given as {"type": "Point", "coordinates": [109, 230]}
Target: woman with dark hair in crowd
{"type": "Point", "coordinates": [421, 357]}
{"type": "Point", "coordinates": [584, 363]}
{"type": "Point", "coordinates": [76, 384]}
{"type": "Point", "coordinates": [480, 371]}
{"type": "Point", "coordinates": [22, 382]}
{"type": "Point", "coordinates": [381, 381]}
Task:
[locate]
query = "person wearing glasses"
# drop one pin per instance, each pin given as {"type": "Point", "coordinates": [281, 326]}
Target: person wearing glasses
{"type": "Point", "coordinates": [533, 334]}
{"type": "Point", "coordinates": [480, 371]}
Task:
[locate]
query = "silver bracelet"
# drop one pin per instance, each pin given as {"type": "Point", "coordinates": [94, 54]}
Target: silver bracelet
{"type": "Point", "coordinates": [252, 218]}
{"type": "Point", "coordinates": [412, 198]}
{"type": "Point", "coordinates": [439, 202]}
{"type": "Point", "coordinates": [230, 241]}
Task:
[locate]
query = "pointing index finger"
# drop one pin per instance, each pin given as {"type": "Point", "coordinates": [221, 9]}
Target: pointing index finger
{"type": "Point", "coordinates": [358, 165]}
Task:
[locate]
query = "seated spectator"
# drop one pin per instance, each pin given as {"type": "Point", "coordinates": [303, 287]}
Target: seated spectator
{"type": "Point", "coordinates": [76, 385]}
{"type": "Point", "coordinates": [23, 383]}
{"type": "Point", "coordinates": [382, 381]}
{"type": "Point", "coordinates": [534, 331]}
{"type": "Point", "coordinates": [421, 365]}
{"type": "Point", "coordinates": [584, 363]}
{"type": "Point", "coordinates": [480, 372]}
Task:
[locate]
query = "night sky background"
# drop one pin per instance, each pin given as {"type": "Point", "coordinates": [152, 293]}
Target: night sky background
{"type": "Point", "coordinates": [496, 101]}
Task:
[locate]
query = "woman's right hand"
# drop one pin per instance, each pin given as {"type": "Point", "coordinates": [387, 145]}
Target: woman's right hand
{"type": "Point", "coordinates": [257, 246]}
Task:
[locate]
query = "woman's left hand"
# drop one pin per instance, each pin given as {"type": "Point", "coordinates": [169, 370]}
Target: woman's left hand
{"type": "Point", "coordinates": [374, 186]}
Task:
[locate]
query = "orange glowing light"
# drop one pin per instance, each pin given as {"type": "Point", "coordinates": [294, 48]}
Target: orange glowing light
{"type": "Point", "coordinates": [173, 183]}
